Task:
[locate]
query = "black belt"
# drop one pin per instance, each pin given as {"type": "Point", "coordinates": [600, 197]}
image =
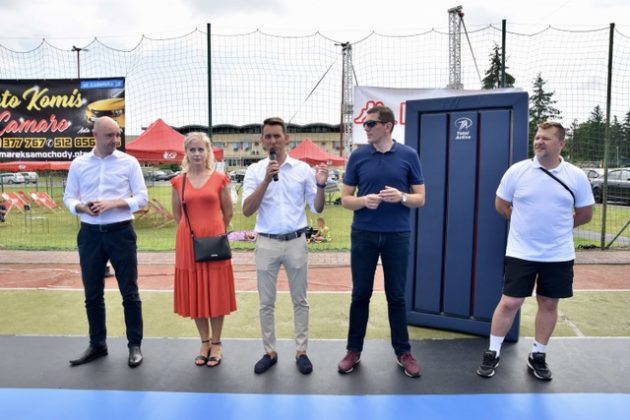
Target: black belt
{"type": "Point", "coordinates": [106, 228]}
{"type": "Point", "coordinates": [284, 236]}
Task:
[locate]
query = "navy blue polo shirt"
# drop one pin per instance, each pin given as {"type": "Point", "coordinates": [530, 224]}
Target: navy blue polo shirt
{"type": "Point", "coordinates": [370, 171]}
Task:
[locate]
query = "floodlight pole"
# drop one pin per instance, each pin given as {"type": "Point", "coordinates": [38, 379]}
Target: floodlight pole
{"type": "Point", "coordinates": [455, 15]}
{"type": "Point", "coordinates": [345, 129]}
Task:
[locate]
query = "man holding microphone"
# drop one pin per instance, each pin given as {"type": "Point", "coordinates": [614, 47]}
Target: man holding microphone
{"type": "Point", "coordinates": [278, 189]}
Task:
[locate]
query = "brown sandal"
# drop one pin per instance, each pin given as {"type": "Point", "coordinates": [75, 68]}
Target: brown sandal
{"type": "Point", "coordinates": [215, 360]}
{"type": "Point", "coordinates": [201, 360]}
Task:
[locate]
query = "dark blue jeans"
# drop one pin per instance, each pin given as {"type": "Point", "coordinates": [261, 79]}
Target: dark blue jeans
{"type": "Point", "coordinates": [119, 247]}
{"type": "Point", "coordinates": [365, 249]}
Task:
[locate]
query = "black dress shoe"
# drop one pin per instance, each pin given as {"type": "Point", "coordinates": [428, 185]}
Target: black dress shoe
{"type": "Point", "coordinates": [135, 356]}
{"type": "Point", "coordinates": [265, 363]}
{"type": "Point", "coordinates": [91, 353]}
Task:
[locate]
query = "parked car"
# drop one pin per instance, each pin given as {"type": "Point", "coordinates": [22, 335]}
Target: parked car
{"type": "Point", "coordinates": [237, 175]}
{"type": "Point", "coordinates": [167, 176]}
{"type": "Point", "coordinates": [593, 173]}
{"type": "Point", "coordinates": [12, 178]}
{"type": "Point", "coordinates": [30, 177]}
{"type": "Point", "coordinates": [157, 175]}
{"type": "Point", "coordinates": [113, 107]}
{"type": "Point", "coordinates": [618, 186]}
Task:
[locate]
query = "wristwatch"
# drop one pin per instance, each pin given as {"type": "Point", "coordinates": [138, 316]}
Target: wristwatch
{"type": "Point", "coordinates": [403, 198]}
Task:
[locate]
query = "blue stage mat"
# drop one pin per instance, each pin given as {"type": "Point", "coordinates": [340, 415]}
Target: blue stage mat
{"type": "Point", "coordinates": [30, 404]}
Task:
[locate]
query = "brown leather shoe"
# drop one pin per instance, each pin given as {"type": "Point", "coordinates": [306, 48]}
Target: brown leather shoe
{"type": "Point", "coordinates": [409, 364]}
{"type": "Point", "coordinates": [350, 360]}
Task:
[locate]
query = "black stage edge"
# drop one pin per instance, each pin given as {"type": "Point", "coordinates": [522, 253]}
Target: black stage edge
{"type": "Point", "coordinates": [584, 365]}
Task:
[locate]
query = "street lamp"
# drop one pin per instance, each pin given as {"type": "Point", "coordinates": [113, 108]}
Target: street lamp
{"type": "Point", "coordinates": [78, 51]}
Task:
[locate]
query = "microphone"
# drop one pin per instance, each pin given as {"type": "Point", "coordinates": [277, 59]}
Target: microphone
{"type": "Point", "coordinates": [273, 156]}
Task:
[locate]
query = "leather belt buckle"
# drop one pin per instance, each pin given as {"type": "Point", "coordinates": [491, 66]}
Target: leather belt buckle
{"type": "Point", "coordinates": [284, 236]}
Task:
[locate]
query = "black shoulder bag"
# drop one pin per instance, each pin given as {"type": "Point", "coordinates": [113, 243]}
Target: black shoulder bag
{"type": "Point", "coordinates": [566, 187]}
{"type": "Point", "coordinates": [207, 248]}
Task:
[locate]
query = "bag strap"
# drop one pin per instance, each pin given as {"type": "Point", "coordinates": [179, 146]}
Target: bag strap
{"type": "Point", "coordinates": [184, 206]}
{"type": "Point", "coordinates": [566, 187]}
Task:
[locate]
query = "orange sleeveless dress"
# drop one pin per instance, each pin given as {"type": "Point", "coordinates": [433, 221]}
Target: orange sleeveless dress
{"type": "Point", "coordinates": [204, 289]}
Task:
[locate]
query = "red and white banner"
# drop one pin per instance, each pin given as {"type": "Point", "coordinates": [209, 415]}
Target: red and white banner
{"type": "Point", "coordinates": [366, 97]}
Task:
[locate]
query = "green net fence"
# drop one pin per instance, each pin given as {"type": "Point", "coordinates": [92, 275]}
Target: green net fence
{"type": "Point", "coordinates": [257, 75]}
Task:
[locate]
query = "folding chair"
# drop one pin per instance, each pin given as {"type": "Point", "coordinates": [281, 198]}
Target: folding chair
{"type": "Point", "coordinates": [43, 199]}
{"type": "Point", "coordinates": [14, 199]}
{"type": "Point", "coordinates": [141, 213]}
{"type": "Point", "coordinates": [25, 199]}
{"type": "Point", "coordinates": [166, 215]}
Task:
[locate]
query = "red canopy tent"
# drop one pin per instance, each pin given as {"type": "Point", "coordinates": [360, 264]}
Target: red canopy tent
{"type": "Point", "coordinates": [18, 166]}
{"type": "Point", "coordinates": [158, 144]}
{"type": "Point", "coordinates": [312, 154]}
{"type": "Point", "coordinates": [161, 144]}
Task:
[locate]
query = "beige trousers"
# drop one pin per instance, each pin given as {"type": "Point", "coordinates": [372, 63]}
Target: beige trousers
{"type": "Point", "coordinates": [293, 255]}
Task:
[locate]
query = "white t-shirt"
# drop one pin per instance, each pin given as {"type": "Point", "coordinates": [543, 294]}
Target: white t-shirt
{"type": "Point", "coordinates": [541, 225]}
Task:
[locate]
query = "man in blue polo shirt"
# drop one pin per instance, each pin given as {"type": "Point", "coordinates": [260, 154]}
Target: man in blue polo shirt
{"type": "Point", "coordinates": [387, 178]}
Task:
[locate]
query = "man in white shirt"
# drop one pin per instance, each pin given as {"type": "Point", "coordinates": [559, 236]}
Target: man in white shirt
{"type": "Point", "coordinates": [105, 187]}
{"type": "Point", "coordinates": [278, 188]}
{"type": "Point", "coordinates": [544, 199]}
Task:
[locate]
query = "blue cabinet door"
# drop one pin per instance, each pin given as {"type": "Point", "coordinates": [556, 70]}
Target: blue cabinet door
{"type": "Point", "coordinates": [465, 144]}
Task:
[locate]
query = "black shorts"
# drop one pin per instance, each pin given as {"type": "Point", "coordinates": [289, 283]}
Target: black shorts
{"type": "Point", "coordinates": [552, 279]}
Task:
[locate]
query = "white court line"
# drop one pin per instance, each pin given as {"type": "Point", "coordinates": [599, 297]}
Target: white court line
{"type": "Point", "coordinates": [601, 290]}
{"type": "Point", "coordinates": [565, 319]}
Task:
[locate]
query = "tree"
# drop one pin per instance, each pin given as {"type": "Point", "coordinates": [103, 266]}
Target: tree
{"type": "Point", "coordinates": [493, 74]}
{"type": "Point", "coordinates": [541, 108]}
{"type": "Point", "coordinates": [572, 147]}
{"type": "Point", "coordinates": [590, 136]}
{"type": "Point", "coordinates": [615, 155]}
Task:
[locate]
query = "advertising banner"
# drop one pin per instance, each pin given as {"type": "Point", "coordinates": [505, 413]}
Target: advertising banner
{"type": "Point", "coordinates": [366, 97]}
{"type": "Point", "coordinates": [52, 120]}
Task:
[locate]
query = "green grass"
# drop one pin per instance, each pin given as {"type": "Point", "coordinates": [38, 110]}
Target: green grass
{"type": "Point", "coordinates": [595, 314]}
{"type": "Point", "coordinates": [43, 229]}
{"type": "Point", "coordinates": [616, 219]}
{"type": "Point", "coordinates": [57, 229]}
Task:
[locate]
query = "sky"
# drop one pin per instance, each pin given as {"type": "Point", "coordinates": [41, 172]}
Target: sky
{"type": "Point", "coordinates": [121, 23]}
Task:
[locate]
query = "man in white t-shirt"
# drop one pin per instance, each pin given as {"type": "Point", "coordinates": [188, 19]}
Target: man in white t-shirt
{"type": "Point", "coordinates": [544, 199]}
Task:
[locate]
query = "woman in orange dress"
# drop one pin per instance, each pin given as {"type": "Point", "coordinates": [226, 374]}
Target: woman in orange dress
{"type": "Point", "coordinates": [204, 291]}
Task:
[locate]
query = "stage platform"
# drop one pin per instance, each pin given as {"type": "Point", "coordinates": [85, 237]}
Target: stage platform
{"type": "Point", "coordinates": [590, 382]}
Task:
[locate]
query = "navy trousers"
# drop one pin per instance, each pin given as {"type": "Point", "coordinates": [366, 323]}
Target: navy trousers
{"type": "Point", "coordinates": [365, 250]}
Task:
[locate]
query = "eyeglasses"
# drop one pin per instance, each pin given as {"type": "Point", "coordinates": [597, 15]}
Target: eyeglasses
{"type": "Point", "coordinates": [372, 123]}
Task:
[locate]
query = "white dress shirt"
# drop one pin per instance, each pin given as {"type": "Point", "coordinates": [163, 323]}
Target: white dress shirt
{"type": "Point", "coordinates": [282, 208]}
{"type": "Point", "coordinates": [114, 177]}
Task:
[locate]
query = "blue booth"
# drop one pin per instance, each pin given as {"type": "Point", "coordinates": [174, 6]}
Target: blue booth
{"type": "Point", "coordinates": [465, 144]}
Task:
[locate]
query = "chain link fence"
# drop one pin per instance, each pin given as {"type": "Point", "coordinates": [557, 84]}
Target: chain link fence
{"type": "Point", "coordinates": [257, 75]}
